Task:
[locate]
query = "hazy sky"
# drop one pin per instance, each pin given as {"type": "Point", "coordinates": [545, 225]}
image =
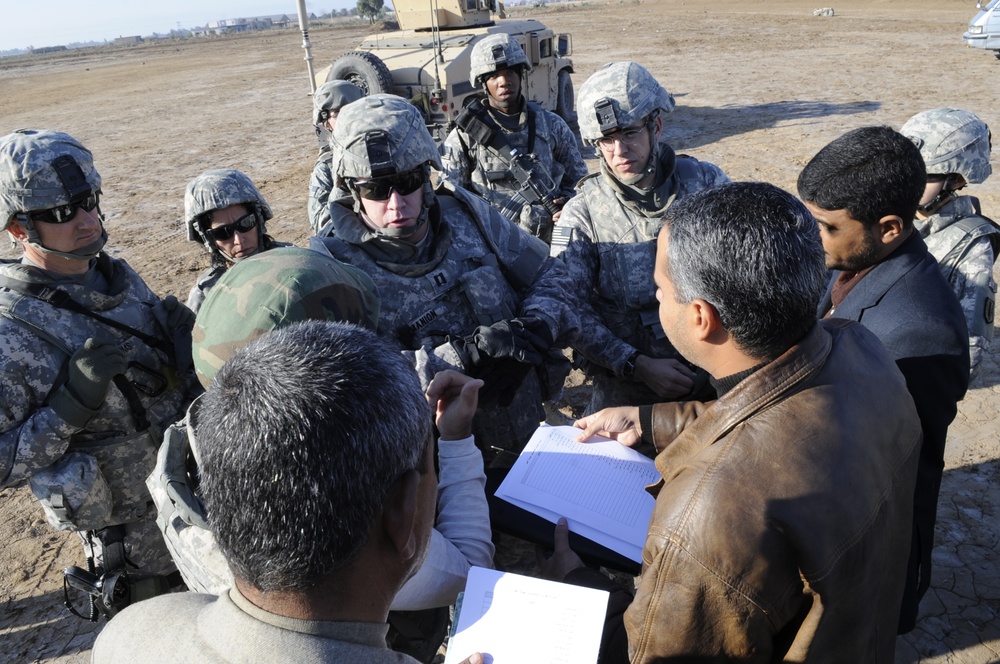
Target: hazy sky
{"type": "Point", "coordinates": [38, 23]}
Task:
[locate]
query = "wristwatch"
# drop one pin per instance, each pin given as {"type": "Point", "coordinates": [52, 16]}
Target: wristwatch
{"type": "Point", "coordinates": [628, 369]}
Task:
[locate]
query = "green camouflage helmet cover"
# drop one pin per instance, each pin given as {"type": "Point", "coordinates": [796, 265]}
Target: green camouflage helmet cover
{"type": "Point", "coordinates": [27, 179]}
{"type": "Point", "coordinates": [332, 96]}
{"type": "Point", "coordinates": [274, 289]}
{"type": "Point", "coordinates": [385, 129]}
{"type": "Point", "coordinates": [627, 90]}
{"type": "Point", "coordinates": [496, 52]}
{"type": "Point", "coordinates": [215, 190]}
{"type": "Point", "coordinates": [951, 141]}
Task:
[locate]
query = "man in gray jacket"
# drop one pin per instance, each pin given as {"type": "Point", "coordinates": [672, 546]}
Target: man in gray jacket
{"type": "Point", "coordinates": [323, 508]}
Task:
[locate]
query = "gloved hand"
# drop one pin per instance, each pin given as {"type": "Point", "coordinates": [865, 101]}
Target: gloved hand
{"type": "Point", "coordinates": [522, 339]}
{"type": "Point", "coordinates": [179, 317]}
{"type": "Point", "coordinates": [91, 369]}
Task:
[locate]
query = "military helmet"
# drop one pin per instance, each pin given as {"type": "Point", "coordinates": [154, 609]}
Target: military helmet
{"type": "Point", "coordinates": [381, 135]}
{"type": "Point", "coordinates": [42, 169]}
{"type": "Point", "coordinates": [274, 289]}
{"type": "Point", "coordinates": [619, 95]}
{"type": "Point", "coordinates": [951, 141]}
{"type": "Point", "coordinates": [215, 190]}
{"type": "Point", "coordinates": [332, 96]}
{"type": "Point", "coordinates": [496, 52]}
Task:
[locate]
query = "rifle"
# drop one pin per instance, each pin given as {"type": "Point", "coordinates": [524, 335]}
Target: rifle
{"type": "Point", "coordinates": [109, 590]}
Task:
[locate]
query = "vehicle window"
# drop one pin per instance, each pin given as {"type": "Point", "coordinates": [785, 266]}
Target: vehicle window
{"type": "Point", "coordinates": [545, 47]}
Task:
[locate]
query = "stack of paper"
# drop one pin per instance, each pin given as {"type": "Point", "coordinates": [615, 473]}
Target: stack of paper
{"type": "Point", "coordinates": [514, 619]}
{"type": "Point", "coordinates": [598, 486]}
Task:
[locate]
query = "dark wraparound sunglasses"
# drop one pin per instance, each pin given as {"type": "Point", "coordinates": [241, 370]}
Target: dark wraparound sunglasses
{"type": "Point", "coordinates": [63, 213]}
{"type": "Point", "coordinates": [379, 189]}
{"type": "Point", "coordinates": [241, 225]}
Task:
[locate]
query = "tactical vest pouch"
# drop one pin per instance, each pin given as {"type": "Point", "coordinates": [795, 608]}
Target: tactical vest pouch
{"type": "Point", "coordinates": [74, 493]}
{"type": "Point", "coordinates": [125, 461]}
{"type": "Point", "coordinates": [631, 269]}
{"type": "Point", "coordinates": [487, 293]}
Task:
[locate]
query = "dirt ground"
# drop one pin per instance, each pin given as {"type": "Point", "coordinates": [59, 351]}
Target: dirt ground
{"type": "Point", "coordinates": [761, 86]}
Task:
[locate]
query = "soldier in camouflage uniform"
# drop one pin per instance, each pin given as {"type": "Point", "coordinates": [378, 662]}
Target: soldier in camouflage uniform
{"type": "Point", "coordinates": [955, 145]}
{"type": "Point", "coordinates": [224, 212]}
{"type": "Point", "coordinates": [327, 102]}
{"type": "Point", "coordinates": [607, 238]}
{"type": "Point", "coordinates": [458, 281]}
{"type": "Point", "coordinates": [93, 365]}
{"type": "Point", "coordinates": [478, 156]}
{"type": "Point", "coordinates": [265, 293]}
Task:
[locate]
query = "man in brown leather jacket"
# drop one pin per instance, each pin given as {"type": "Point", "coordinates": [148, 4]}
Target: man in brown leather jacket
{"type": "Point", "coordinates": [782, 524]}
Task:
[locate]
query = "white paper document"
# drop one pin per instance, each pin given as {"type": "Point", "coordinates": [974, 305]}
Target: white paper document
{"type": "Point", "coordinates": [598, 486]}
{"type": "Point", "coordinates": [514, 619]}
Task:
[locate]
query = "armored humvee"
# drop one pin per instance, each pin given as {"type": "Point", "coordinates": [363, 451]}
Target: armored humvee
{"type": "Point", "coordinates": [427, 59]}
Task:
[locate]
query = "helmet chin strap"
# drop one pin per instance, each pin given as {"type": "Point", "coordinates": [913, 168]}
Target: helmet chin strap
{"type": "Point", "coordinates": [84, 253]}
{"type": "Point", "coordinates": [946, 194]}
{"type": "Point", "coordinates": [508, 107]}
{"type": "Point", "coordinates": [399, 233]}
{"type": "Point", "coordinates": [650, 167]}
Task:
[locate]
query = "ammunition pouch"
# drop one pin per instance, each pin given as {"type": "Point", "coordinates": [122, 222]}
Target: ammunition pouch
{"type": "Point", "coordinates": [74, 493]}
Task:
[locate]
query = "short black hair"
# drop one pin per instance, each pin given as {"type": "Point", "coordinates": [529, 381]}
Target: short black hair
{"type": "Point", "coordinates": [301, 435]}
{"type": "Point", "coordinates": [871, 172]}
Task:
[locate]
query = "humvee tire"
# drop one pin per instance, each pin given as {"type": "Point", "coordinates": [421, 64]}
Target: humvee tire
{"type": "Point", "coordinates": [566, 102]}
{"type": "Point", "coordinates": [363, 69]}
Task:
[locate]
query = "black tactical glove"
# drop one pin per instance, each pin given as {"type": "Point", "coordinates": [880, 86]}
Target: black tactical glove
{"type": "Point", "coordinates": [522, 339]}
{"type": "Point", "coordinates": [180, 322]}
{"type": "Point", "coordinates": [179, 317]}
{"type": "Point", "coordinates": [90, 371]}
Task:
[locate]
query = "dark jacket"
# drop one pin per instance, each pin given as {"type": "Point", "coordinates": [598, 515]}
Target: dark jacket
{"type": "Point", "coordinates": [913, 311]}
{"type": "Point", "coordinates": [782, 522]}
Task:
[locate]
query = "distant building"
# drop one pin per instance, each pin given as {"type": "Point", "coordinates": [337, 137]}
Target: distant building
{"type": "Point", "coordinates": [48, 49]}
{"type": "Point", "coordinates": [124, 41]}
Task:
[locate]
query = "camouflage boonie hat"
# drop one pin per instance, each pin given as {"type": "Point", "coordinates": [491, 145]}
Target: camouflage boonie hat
{"type": "Point", "coordinates": [274, 289]}
{"type": "Point", "coordinates": [381, 135]}
{"type": "Point", "coordinates": [496, 52]}
{"type": "Point", "coordinates": [332, 96]}
{"type": "Point", "coordinates": [28, 180]}
{"type": "Point", "coordinates": [619, 95]}
{"type": "Point", "coordinates": [951, 141]}
{"type": "Point", "coordinates": [214, 190]}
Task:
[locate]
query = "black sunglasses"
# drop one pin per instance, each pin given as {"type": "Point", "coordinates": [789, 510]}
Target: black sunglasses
{"type": "Point", "coordinates": [241, 225]}
{"type": "Point", "coordinates": [64, 213]}
{"type": "Point", "coordinates": [379, 189]}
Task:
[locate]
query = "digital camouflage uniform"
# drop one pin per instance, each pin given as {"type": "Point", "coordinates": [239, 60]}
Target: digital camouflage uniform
{"type": "Point", "coordinates": [539, 133]}
{"type": "Point", "coordinates": [215, 190]}
{"type": "Point", "coordinates": [482, 170]}
{"type": "Point", "coordinates": [85, 466]}
{"type": "Point", "coordinates": [321, 190]}
{"type": "Point", "coordinates": [965, 243]}
{"type": "Point", "coordinates": [329, 97]}
{"type": "Point", "coordinates": [263, 293]}
{"type": "Point", "coordinates": [607, 234]}
{"type": "Point", "coordinates": [475, 268]}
